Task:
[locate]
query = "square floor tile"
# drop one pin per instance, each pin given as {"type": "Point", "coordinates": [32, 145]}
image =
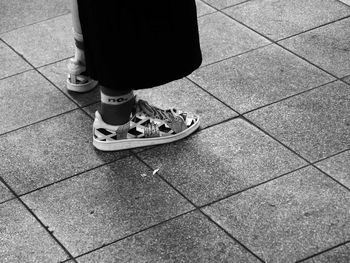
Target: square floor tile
{"type": "Point", "coordinates": [10, 62]}
{"type": "Point", "coordinates": [49, 151]}
{"type": "Point", "coordinates": [57, 73]}
{"type": "Point", "coordinates": [278, 19]}
{"type": "Point", "coordinates": [221, 160]}
{"type": "Point", "coordinates": [19, 13]}
{"type": "Point", "coordinates": [28, 98]}
{"type": "Point", "coordinates": [315, 124]}
{"type": "Point", "coordinates": [223, 3]}
{"type": "Point", "coordinates": [5, 193]}
{"type": "Point", "coordinates": [259, 77]}
{"type": "Point", "coordinates": [338, 255]}
{"type": "Point", "coordinates": [23, 239]}
{"type": "Point", "coordinates": [189, 238]}
{"type": "Point", "coordinates": [105, 204]}
{"type": "Point", "coordinates": [338, 167]}
{"type": "Point", "coordinates": [44, 42]}
{"type": "Point", "coordinates": [327, 47]}
{"type": "Point", "coordinates": [287, 219]}
{"type": "Point", "coordinates": [203, 9]}
{"type": "Point", "coordinates": [222, 37]}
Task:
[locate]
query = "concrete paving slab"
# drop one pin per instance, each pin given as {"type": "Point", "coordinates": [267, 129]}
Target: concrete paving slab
{"type": "Point", "coordinates": [278, 19]}
{"type": "Point", "coordinates": [5, 193]}
{"type": "Point", "coordinates": [203, 9]}
{"type": "Point", "coordinates": [326, 47]}
{"type": "Point", "coordinates": [338, 167]}
{"type": "Point", "coordinates": [49, 151]}
{"type": "Point", "coordinates": [220, 4]}
{"type": "Point", "coordinates": [315, 124]}
{"type": "Point", "coordinates": [221, 160]}
{"type": "Point", "coordinates": [45, 42]}
{"type": "Point", "coordinates": [28, 98]}
{"type": "Point", "coordinates": [221, 37]}
{"type": "Point", "coordinates": [23, 239]}
{"type": "Point", "coordinates": [258, 78]}
{"type": "Point", "coordinates": [19, 13]}
{"type": "Point", "coordinates": [338, 255]}
{"type": "Point", "coordinates": [10, 62]}
{"type": "Point", "coordinates": [58, 72]}
{"type": "Point", "coordinates": [189, 238]}
{"type": "Point", "coordinates": [288, 219]}
{"type": "Point", "coordinates": [106, 204]}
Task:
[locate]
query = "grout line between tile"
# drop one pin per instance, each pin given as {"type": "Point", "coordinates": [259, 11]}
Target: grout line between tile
{"type": "Point", "coordinates": [41, 74]}
{"type": "Point", "coordinates": [43, 120]}
{"type": "Point", "coordinates": [289, 97]}
{"type": "Point", "coordinates": [7, 200]}
{"type": "Point", "coordinates": [254, 186]}
{"type": "Point", "coordinates": [306, 60]}
{"type": "Point", "coordinates": [293, 151]}
{"type": "Point", "coordinates": [317, 27]}
{"type": "Point", "coordinates": [231, 236]}
{"type": "Point", "coordinates": [54, 62]}
{"type": "Point", "coordinates": [330, 156]}
{"type": "Point", "coordinates": [135, 233]}
{"type": "Point", "coordinates": [324, 251]}
{"type": "Point", "coordinates": [127, 154]}
{"type": "Point", "coordinates": [276, 41]}
{"type": "Point", "coordinates": [54, 85]}
{"type": "Point", "coordinates": [16, 74]}
{"type": "Point", "coordinates": [166, 181]}
{"type": "Point", "coordinates": [308, 164]}
{"type": "Point", "coordinates": [197, 208]}
{"type": "Point", "coordinates": [341, 2]}
{"type": "Point", "coordinates": [226, 7]}
{"type": "Point", "coordinates": [236, 55]}
{"type": "Point", "coordinates": [38, 220]}
{"type": "Point", "coordinates": [213, 96]}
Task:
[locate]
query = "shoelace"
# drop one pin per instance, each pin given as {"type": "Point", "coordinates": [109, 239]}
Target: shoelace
{"type": "Point", "coordinates": [151, 130]}
{"type": "Point", "coordinates": [156, 112]}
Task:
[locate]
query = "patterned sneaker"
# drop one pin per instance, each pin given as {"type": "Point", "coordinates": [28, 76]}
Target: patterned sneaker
{"type": "Point", "coordinates": [148, 126]}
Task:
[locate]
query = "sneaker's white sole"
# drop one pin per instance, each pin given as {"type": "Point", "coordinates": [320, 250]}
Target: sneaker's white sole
{"type": "Point", "coordinates": [143, 142]}
{"type": "Point", "coordinates": [81, 88]}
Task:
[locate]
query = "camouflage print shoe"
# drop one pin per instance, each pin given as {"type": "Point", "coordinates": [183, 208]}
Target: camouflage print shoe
{"type": "Point", "coordinates": [148, 126]}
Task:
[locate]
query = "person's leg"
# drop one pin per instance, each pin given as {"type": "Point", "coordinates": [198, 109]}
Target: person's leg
{"type": "Point", "coordinates": [116, 106]}
{"type": "Point", "coordinates": [124, 122]}
{"type": "Point", "coordinates": [77, 33]}
{"type": "Point", "coordinates": [77, 80]}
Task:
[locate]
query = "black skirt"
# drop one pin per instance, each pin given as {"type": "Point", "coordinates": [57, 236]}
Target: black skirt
{"type": "Point", "coordinates": [139, 44]}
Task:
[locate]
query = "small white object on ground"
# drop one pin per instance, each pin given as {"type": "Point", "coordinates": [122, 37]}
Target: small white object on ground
{"type": "Point", "coordinates": [155, 171]}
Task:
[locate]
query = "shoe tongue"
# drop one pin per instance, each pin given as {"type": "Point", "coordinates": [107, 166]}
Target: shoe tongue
{"type": "Point", "coordinates": [145, 107]}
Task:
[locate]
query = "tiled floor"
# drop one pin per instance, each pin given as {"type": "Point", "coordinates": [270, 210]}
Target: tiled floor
{"type": "Point", "coordinates": [265, 179]}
